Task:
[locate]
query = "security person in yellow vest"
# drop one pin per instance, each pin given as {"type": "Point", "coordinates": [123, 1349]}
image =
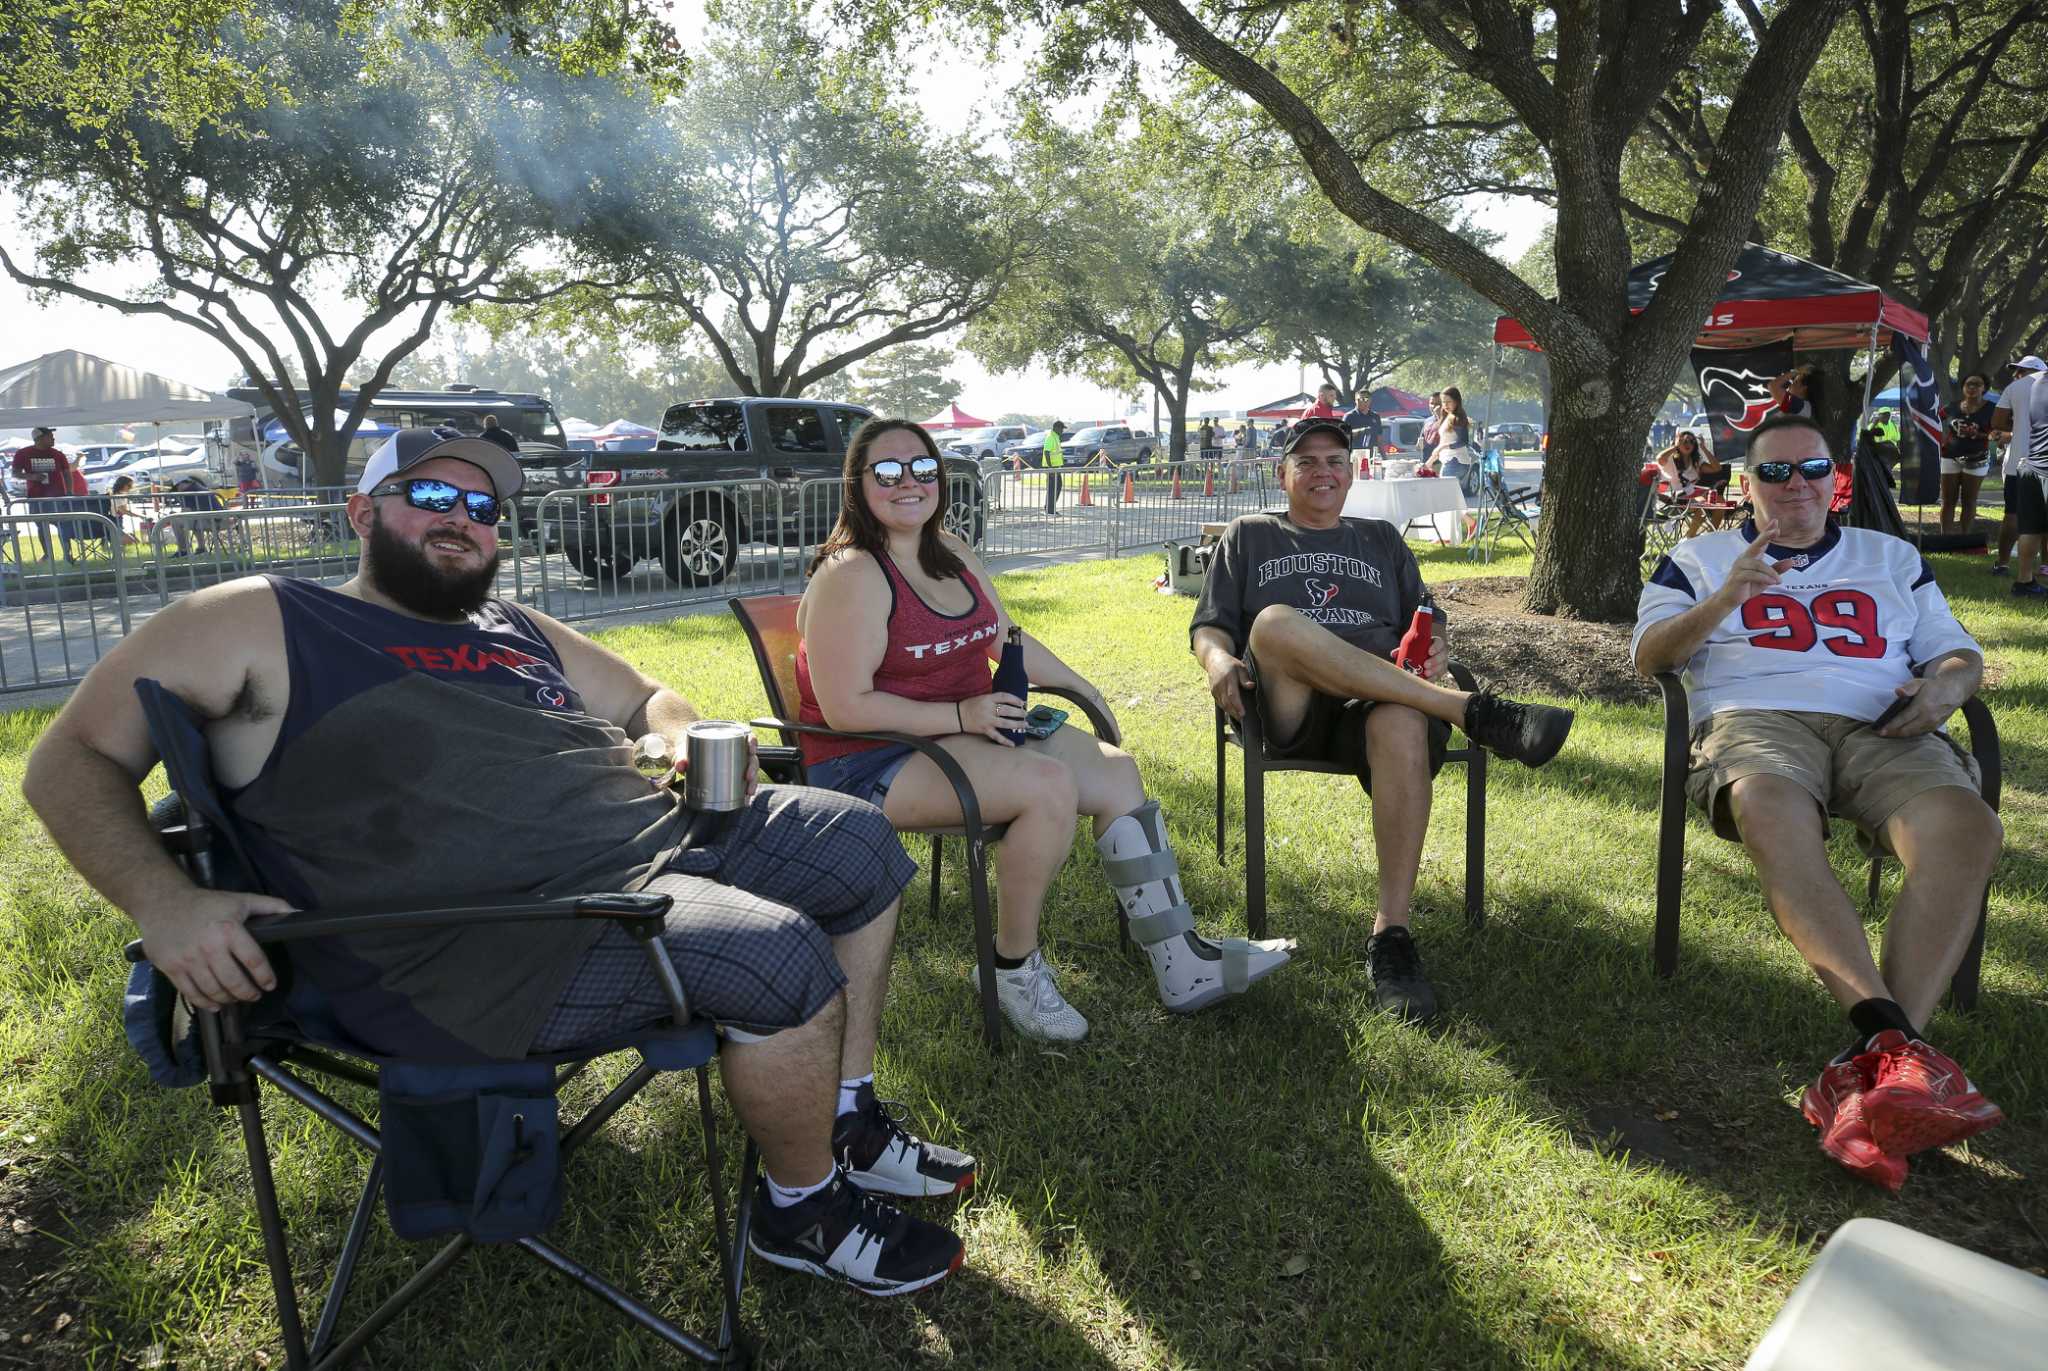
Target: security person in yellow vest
{"type": "Point", "coordinates": [1052, 459]}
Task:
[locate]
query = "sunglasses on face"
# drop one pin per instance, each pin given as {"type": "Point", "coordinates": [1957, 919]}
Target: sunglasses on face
{"type": "Point", "coordinates": [1777, 473]}
{"type": "Point", "coordinates": [440, 497]}
{"type": "Point", "coordinates": [888, 472]}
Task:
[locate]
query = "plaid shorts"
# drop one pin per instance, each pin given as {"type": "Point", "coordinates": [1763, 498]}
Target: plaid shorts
{"type": "Point", "coordinates": [751, 928]}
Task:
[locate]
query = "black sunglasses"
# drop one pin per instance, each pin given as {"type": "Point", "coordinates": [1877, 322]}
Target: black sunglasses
{"type": "Point", "coordinates": [439, 497]}
{"type": "Point", "coordinates": [1777, 473]}
{"type": "Point", "coordinates": [889, 472]}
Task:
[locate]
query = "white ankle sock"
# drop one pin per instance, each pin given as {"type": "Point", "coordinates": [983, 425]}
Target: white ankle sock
{"type": "Point", "coordinates": [848, 1090]}
{"type": "Point", "coordinates": [783, 1196]}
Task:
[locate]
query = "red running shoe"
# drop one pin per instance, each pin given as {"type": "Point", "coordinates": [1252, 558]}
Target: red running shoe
{"type": "Point", "coordinates": [1834, 1105]}
{"type": "Point", "coordinates": [1919, 1098]}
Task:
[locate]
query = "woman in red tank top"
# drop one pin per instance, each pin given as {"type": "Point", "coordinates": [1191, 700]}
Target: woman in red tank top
{"type": "Point", "coordinates": [899, 628]}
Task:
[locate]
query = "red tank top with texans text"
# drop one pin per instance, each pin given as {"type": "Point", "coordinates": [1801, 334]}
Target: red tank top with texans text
{"type": "Point", "coordinates": [930, 656]}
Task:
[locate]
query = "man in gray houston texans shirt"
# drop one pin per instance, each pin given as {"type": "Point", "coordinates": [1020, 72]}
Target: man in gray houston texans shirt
{"type": "Point", "coordinates": [1299, 619]}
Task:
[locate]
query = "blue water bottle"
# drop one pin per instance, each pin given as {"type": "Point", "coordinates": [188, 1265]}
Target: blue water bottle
{"type": "Point", "coordinates": [1010, 677]}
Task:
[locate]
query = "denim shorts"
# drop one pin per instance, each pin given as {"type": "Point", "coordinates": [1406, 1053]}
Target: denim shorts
{"type": "Point", "coordinates": [864, 775]}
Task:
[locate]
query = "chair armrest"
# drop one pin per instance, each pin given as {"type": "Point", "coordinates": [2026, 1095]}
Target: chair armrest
{"type": "Point", "coordinates": [1984, 747]}
{"type": "Point", "coordinates": [637, 908]}
{"type": "Point", "coordinates": [948, 765]}
{"type": "Point", "coordinates": [1105, 727]}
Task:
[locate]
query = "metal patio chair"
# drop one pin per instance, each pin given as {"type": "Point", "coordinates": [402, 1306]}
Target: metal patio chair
{"type": "Point", "coordinates": [770, 624]}
{"type": "Point", "coordinates": [1671, 832]}
{"type": "Point", "coordinates": [1248, 736]}
{"type": "Point", "coordinates": [474, 1149]}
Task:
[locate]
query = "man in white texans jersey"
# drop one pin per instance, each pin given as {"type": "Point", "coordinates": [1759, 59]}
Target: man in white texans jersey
{"type": "Point", "coordinates": [1822, 663]}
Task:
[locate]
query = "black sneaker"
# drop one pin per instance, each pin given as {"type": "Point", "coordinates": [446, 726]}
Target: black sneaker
{"type": "Point", "coordinates": [1530, 734]}
{"type": "Point", "coordinates": [2001, 569]}
{"type": "Point", "coordinates": [845, 1234]}
{"type": "Point", "coordinates": [2029, 590]}
{"type": "Point", "coordinates": [878, 1155]}
{"type": "Point", "coordinates": [1398, 985]}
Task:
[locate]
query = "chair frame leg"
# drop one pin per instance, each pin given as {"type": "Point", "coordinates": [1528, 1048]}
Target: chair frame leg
{"type": "Point", "coordinates": [276, 1251]}
{"type": "Point", "coordinates": [938, 860]}
{"type": "Point", "coordinates": [984, 940]}
{"type": "Point", "coordinates": [1962, 987]}
{"type": "Point", "coordinates": [345, 1265]}
{"type": "Point", "coordinates": [1254, 845]}
{"type": "Point", "coordinates": [1475, 838]}
{"type": "Point", "coordinates": [1222, 797]}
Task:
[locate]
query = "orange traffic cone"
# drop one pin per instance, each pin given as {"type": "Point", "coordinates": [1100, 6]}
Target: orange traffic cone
{"type": "Point", "coordinates": [1209, 482]}
{"type": "Point", "coordinates": [1084, 500]}
{"type": "Point", "coordinates": [1176, 482]}
{"type": "Point", "coordinates": [1130, 490]}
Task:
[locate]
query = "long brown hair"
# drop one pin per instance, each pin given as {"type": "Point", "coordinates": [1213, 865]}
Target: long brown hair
{"type": "Point", "coordinates": [858, 527]}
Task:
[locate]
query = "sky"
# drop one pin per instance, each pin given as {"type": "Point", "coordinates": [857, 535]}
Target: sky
{"type": "Point", "coordinates": [29, 328]}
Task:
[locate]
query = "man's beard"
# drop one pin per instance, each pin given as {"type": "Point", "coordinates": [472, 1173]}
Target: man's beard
{"type": "Point", "coordinates": [403, 571]}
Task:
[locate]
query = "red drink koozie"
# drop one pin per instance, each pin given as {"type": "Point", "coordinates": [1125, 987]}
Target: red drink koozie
{"type": "Point", "coordinates": [1414, 649]}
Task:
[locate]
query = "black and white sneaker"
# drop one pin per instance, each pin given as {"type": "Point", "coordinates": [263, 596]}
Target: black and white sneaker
{"type": "Point", "coordinates": [880, 1156]}
{"type": "Point", "coordinates": [845, 1234]}
{"type": "Point", "coordinates": [1398, 985]}
{"type": "Point", "coordinates": [1530, 734]}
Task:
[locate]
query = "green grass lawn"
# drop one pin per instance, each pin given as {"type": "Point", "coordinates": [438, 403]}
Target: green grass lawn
{"type": "Point", "coordinates": [1585, 1167]}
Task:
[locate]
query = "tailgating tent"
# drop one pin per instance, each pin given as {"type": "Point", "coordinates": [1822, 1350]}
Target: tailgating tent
{"type": "Point", "coordinates": [617, 428]}
{"type": "Point", "coordinates": [952, 416]}
{"type": "Point", "coordinates": [1289, 408]}
{"type": "Point", "coordinates": [1394, 400]}
{"type": "Point", "coordinates": [1771, 297]}
{"type": "Point", "coordinates": [65, 389]}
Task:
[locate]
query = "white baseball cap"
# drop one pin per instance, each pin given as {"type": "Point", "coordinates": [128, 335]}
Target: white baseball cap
{"type": "Point", "coordinates": [409, 447]}
{"type": "Point", "coordinates": [2030, 363]}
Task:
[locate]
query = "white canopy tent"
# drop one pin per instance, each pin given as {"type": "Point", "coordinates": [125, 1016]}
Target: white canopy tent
{"type": "Point", "coordinates": [65, 389]}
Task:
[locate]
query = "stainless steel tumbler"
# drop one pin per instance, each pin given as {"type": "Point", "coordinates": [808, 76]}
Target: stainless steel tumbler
{"type": "Point", "coordinates": [716, 779]}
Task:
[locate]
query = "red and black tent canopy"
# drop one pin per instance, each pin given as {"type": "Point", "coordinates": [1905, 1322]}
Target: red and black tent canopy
{"type": "Point", "coordinates": [1772, 296]}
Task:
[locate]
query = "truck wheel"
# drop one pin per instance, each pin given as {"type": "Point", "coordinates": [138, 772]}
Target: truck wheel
{"type": "Point", "coordinates": [699, 541]}
{"type": "Point", "coordinates": [606, 568]}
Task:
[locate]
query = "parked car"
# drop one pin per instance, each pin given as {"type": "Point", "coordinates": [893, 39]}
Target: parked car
{"type": "Point", "coordinates": [986, 444]}
{"type": "Point", "coordinates": [1401, 439]}
{"type": "Point", "coordinates": [1120, 444]}
{"type": "Point", "coordinates": [698, 534]}
{"type": "Point", "coordinates": [1517, 437]}
{"type": "Point", "coordinates": [148, 466]}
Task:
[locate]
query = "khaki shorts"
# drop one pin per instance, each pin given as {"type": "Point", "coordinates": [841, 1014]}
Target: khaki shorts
{"type": "Point", "coordinates": [1850, 770]}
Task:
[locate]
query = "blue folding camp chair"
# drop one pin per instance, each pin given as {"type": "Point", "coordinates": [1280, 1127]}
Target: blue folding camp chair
{"type": "Point", "coordinates": [469, 1148]}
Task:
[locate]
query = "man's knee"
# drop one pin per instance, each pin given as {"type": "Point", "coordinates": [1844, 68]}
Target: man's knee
{"type": "Point", "coordinates": [1395, 736]}
{"type": "Point", "coordinates": [1948, 829]}
{"type": "Point", "coordinates": [1273, 626]}
{"type": "Point", "coordinates": [1775, 814]}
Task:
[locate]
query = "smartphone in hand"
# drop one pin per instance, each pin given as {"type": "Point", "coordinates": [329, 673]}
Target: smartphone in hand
{"type": "Point", "coordinates": [1043, 721]}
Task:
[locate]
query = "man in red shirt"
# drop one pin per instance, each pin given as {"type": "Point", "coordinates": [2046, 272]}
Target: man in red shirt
{"type": "Point", "coordinates": [1325, 406]}
{"type": "Point", "coordinates": [47, 473]}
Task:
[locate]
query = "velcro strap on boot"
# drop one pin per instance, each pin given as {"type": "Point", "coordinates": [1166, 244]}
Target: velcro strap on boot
{"type": "Point", "coordinates": [1147, 929]}
{"type": "Point", "coordinates": [1237, 964]}
{"type": "Point", "coordinates": [1141, 868]}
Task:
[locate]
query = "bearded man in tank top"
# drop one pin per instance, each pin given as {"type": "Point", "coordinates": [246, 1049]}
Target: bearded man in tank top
{"type": "Point", "coordinates": [408, 737]}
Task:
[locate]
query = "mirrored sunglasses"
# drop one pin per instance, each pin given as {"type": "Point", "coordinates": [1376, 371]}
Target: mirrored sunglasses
{"type": "Point", "coordinates": [440, 497]}
{"type": "Point", "coordinates": [1777, 473]}
{"type": "Point", "coordinates": [889, 472]}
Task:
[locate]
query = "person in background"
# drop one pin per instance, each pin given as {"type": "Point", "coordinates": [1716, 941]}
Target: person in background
{"type": "Point", "coordinates": [1432, 431]}
{"type": "Point", "coordinates": [1363, 424]}
{"type": "Point", "coordinates": [1798, 391]}
{"type": "Point", "coordinates": [897, 631]}
{"type": "Point", "coordinates": [2008, 527]}
{"type": "Point", "coordinates": [1968, 455]}
{"type": "Point", "coordinates": [493, 434]}
{"type": "Point", "coordinates": [2023, 413]}
{"type": "Point", "coordinates": [248, 475]}
{"type": "Point", "coordinates": [120, 508]}
{"type": "Point", "coordinates": [1052, 458]}
{"type": "Point", "coordinates": [1456, 458]}
{"type": "Point", "coordinates": [1205, 440]}
{"type": "Point", "coordinates": [1325, 406]}
{"type": "Point", "coordinates": [46, 471]}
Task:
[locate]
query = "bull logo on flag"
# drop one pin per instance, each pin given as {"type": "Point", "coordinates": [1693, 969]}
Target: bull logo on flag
{"type": "Point", "coordinates": [1746, 400]}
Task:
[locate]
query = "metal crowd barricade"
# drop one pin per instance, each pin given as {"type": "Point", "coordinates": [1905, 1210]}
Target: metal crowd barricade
{"type": "Point", "coordinates": [192, 549]}
{"type": "Point", "coordinates": [1165, 501]}
{"type": "Point", "coordinates": [598, 551]}
{"type": "Point", "coordinates": [58, 616]}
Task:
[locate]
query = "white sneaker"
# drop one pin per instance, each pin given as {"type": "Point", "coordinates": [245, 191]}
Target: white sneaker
{"type": "Point", "coordinates": [1032, 1002]}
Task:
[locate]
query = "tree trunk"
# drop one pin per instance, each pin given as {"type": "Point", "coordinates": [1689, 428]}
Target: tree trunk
{"type": "Point", "coordinates": [1177, 416]}
{"type": "Point", "coordinates": [1590, 539]}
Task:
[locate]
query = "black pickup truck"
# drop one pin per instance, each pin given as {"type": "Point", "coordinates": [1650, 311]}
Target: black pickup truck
{"type": "Point", "coordinates": [765, 449]}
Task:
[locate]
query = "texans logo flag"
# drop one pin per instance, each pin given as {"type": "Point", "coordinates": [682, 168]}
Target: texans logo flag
{"type": "Point", "coordinates": [1735, 388]}
{"type": "Point", "coordinates": [1922, 402]}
